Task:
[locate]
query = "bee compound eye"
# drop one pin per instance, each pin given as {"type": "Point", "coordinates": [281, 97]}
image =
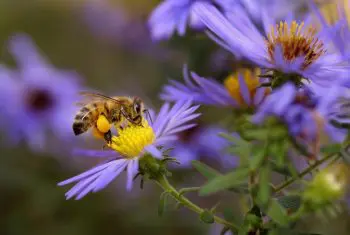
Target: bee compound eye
{"type": "Point", "coordinates": [137, 107]}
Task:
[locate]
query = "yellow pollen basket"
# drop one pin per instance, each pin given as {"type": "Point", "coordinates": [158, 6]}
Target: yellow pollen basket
{"type": "Point", "coordinates": [295, 42]}
{"type": "Point", "coordinates": [132, 139]}
{"type": "Point", "coordinates": [250, 78]}
{"type": "Point", "coordinates": [103, 124]}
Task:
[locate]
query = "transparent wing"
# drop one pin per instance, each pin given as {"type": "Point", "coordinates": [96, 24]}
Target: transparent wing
{"type": "Point", "coordinates": [97, 97]}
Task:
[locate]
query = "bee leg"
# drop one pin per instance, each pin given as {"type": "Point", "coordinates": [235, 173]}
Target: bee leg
{"type": "Point", "coordinates": [108, 136]}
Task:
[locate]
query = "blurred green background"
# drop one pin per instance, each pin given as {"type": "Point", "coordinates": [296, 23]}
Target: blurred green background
{"type": "Point", "coordinates": [30, 201]}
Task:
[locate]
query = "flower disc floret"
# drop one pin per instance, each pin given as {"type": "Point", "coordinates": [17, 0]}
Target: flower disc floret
{"type": "Point", "coordinates": [132, 140]}
{"type": "Point", "coordinates": [295, 42]}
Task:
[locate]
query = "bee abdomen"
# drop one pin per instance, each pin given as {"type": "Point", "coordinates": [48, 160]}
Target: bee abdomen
{"type": "Point", "coordinates": [80, 128]}
{"type": "Point", "coordinates": [82, 121]}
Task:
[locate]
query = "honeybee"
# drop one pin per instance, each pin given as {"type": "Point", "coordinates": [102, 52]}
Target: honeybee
{"type": "Point", "coordinates": [116, 109]}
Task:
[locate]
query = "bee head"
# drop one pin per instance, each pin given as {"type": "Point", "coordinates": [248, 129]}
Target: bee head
{"type": "Point", "coordinates": [138, 105]}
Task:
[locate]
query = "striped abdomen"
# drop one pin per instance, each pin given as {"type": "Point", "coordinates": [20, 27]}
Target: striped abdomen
{"type": "Point", "coordinates": [88, 115]}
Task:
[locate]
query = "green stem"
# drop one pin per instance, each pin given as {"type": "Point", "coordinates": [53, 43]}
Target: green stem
{"type": "Point", "coordinates": [304, 172]}
{"type": "Point", "coordinates": [164, 183]}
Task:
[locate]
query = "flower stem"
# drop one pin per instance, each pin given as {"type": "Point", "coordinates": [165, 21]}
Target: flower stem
{"type": "Point", "coordinates": [305, 172]}
{"type": "Point", "coordinates": [164, 183]}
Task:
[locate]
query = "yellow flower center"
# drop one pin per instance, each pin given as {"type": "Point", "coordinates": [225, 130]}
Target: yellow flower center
{"type": "Point", "coordinates": [295, 43]}
{"type": "Point", "coordinates": [132, 139]}
{"type": "Point", "coordinates": [250, 78]}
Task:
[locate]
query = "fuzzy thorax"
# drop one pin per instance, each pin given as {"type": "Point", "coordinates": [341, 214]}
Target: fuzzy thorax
{"type": "Point", "coordinates": [295, 41]}
{"type": "Point", "coordinates": [131, 140]}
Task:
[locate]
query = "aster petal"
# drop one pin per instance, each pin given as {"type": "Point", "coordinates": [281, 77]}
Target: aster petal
{"type": "Point", "coordinates": [88, 173]}
{"type": "Point", "coordinates": [289, 93]}
{"type": "Point", "coordinates": [109, 174]}
{"type": "Point", "coordinates": [233, 35]}
{"type": "Point", "coordinates": [244, 89]}
{"type": "Point", "coordinates": [25, 52]}
{"type": "Point", "coordinates": [77, 189]}
{"type": "Point", "coordinates": [130, 174]}
{"type": "Point", "coordinates": [154, 151]}
{"type": "Point", "coordinates": [180, 128]}
{"type": "Point", "coordinates": [259, 96]}
{"type": "Point", "coordinates": [94, 153]}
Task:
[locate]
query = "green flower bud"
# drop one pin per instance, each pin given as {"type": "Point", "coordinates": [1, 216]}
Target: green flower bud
{"type": "Point", "coordinates": [328, 185]}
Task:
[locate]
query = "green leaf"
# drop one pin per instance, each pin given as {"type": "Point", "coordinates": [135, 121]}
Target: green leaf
{"type": "Point", "coordinates": [257, 134]}
{"type": "Point", "coordinates": [290, 202]}
{"type": "Point", "coordinates": [277, 213]}
{"type": "Point", "coordinates": [264, 190]}
{"type": "Point", "coordinates": [207, 217]}
{"type": "Point", "coordinates": [258, 156]}
{"type": "Point", "coordinates": [236, 140]}
{"type": "Point", "coordinates": [241, 189]}
{"type": "Point", "coordinates": [205, 170]}
{"type": "Point", "coordinates": [281, 170]}
{"type": "Point", "coordinates": [230, 180]}
{"type": "Point", "coordinates": [278, 150]}
{"type": "Point", "coordinates": [331, 148]}
{"type": "Point", "coordinates": [243, 152]}
{"type": "Point", "coordinates": [162, 203]}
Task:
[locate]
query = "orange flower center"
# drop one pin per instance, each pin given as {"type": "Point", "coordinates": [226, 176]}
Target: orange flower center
{"type": "Point", "coordinates": [295, 42]}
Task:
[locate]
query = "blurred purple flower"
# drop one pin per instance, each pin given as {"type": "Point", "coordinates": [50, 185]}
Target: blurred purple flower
{"type": "Point", "coordinates": [303, 112]}
{"type": "Point", "coordinates": [338, 30]}
{"type": "Point", "coordinates": [289, 48]}
{"type": "Point", "coordinates": [279, 9]}
{"type": "Point", "coordinates": [239, 90]}
{"type": "Point", "coordinates": [174, 15]}
{"type": "Point", "coordinates": [200, 142]}
{"type": "Point", "coordinates": [167, 124]}
{"type": "Point", "coordinates": [36, 97]}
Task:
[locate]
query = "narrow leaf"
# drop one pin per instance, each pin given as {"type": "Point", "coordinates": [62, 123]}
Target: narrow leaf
{"type": "Point", "coordinates": [162, 203]}
{"type": "Point", "coordinates": [236, 140]}
{"type": "Point", "coordinates": [205, 170]}
{"type": "Point", "coordinates": [281, 170]}
{"type": "Point", "coordinates": [257, 134]}
{"type": "Point", "coordinates": [230, 180]}
{"type": "Point", "coordinates": [277, 213]}
{"type": "Point", "coordinates": [258, 156]}
{"type": "Point", "coordinates": [264, 190]}
{"type": "Point", "coordinates": [331, 148]}
{"type": "Point", "coordinates": [290, 202]}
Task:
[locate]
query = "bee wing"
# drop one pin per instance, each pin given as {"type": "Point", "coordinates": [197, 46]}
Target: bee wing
{"type": "Point", "coordinates": [98, 97]}
{"type": "Point", "coordinates": [81, 104]}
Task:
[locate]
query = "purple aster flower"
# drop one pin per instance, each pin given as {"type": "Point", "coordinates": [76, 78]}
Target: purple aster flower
{"type": "Point", "coordinates": [239, 90]}
{"type": "Point", "coordinates": [334, 20]}
{"type": "Point", "coordinates": [289, 48]}
{"type": "Point", "coordinates": [37, 98]}
{"type": "Point", "coordinates": [304, 113]}
{"type": "Point", "coordinates": [279, 9]}
{"type": "Point", "coordinates": [202, 141]}
{"type": "Point", "coordinates": [174, 15]}
{"type": "Point", "coordinates": [131, 144]}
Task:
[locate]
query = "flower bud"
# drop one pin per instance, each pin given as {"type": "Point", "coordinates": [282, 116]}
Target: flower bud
{"type": "Point", "coordinates": [328, 185]}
